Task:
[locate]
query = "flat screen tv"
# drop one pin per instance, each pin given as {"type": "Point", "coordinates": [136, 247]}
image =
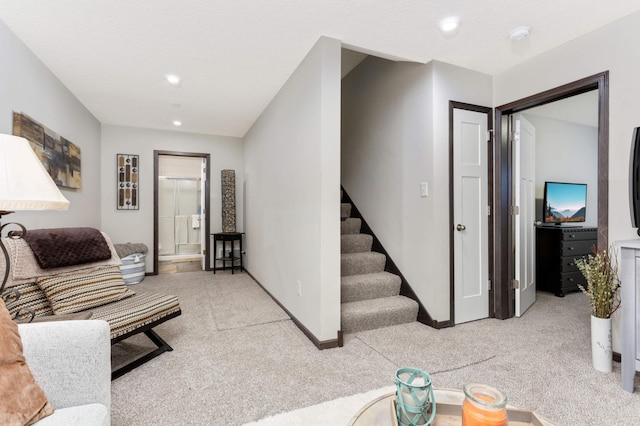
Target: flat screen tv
{"type": "Point", "coordinates": [564, 202]}
{"type": "Point", "coordinates": [634, 180]}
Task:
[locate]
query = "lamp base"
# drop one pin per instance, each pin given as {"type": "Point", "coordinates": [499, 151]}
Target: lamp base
{"type": "Point", "coordinates": [12, 294]}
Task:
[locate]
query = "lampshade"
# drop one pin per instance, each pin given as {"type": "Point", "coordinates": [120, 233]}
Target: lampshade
{"type": "Point", "coordinates": [24, 182]}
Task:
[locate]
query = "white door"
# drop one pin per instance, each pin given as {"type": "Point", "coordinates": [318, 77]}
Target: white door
{"type": "Point", "coordinates": [203, 212]}
{"type": "Point", "coordinates": [525, 200]}
{"type": "Point", "coordinates": [470, 215]}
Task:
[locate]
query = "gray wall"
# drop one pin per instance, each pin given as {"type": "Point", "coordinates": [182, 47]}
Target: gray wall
{"type": "Point", "coordinates": [566, 152]}
{"type": "Point", "coordinates": [292, 187]}
{"type": "Point", "coordinates": [27, 86]}
{"type": "Point", "coordinates": [395, 134]}
{"type": "Point", "coordinates": [612, 48]}
{"type": "Point", "coordinates": [136, 226]}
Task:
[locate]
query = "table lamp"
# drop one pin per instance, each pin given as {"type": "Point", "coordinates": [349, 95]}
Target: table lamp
{"type": "Point", "coordinates": [24, 185]}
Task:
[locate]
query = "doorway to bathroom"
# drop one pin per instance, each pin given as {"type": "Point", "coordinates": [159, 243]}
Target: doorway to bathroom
{"type": "Point", "coordinates": [181, 201]}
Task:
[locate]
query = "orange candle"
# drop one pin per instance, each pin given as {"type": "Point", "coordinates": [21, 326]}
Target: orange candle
{"type": "Point", "coordinates": [484, 406]}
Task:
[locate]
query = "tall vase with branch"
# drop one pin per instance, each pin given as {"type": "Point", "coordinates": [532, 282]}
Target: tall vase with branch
{"type": "Point", "coordinates": [601, 272]}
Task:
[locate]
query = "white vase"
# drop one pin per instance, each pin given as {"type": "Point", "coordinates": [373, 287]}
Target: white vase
{"type": "Point", "coordinates": [601, 344]}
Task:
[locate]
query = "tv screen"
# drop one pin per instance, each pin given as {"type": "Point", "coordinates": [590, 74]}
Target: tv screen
{"type": "Point", "coordinates": [634, 179]}
{"type": "Point", "coordinates": [564, 202]}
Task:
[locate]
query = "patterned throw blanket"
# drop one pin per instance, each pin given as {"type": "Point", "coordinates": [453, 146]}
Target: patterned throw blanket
{"type": "Point", "coordinates": [57, 247]}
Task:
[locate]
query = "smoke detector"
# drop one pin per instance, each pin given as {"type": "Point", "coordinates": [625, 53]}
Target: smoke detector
{"type": "Point", "coordinates": [519, 33]}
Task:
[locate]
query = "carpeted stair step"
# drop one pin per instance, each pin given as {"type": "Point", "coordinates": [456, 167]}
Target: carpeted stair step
{"type": "Point", "coordinates": [350, 226]}
{"type": "Point", "coordinates": [345, 210]}
{"type": "Point", "coordinates": [378, 313]}
{"type": "Point", "coordinates": [362, 263]}
{"type": "Point", "coordinates": [354, 288]}
{"type": "Point", "coordinates": [355, 243]}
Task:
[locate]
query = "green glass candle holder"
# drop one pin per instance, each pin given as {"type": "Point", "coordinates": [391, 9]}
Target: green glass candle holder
{"type": "Point", "coordinates": [415, 402]}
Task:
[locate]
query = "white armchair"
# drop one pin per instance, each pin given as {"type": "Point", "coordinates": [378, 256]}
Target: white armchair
{"type": "Point", "coordinates": [71, 361]}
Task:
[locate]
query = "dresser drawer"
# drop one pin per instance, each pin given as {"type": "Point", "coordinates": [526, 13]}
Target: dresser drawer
{"type": "Point", "coordinates": [569, 264]}
{"type": "Point", "coordinates": [579, 234]}
{"type": "Point", "coordinates": [570, 281]}
{"type": "Point", "coordinates": [574, 248]}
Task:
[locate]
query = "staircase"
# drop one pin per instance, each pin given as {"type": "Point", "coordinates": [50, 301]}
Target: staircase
{"type": "Point", "coordinates": [370, 296]}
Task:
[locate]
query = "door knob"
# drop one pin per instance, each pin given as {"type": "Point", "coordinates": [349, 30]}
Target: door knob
{"type": "Point", "coordinates": [537, 223]}
{"type": "Point", "coordinates": [461, 227]}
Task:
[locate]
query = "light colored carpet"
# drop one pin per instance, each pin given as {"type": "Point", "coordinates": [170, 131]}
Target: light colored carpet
{"type": "Point", "coordinates": [238, 358]}
{"type": "Point", "coordinates": [331, 413]}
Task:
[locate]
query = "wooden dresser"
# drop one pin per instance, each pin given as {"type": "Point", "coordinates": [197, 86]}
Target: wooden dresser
{"type": "Point", "coordinates": [557, 248]}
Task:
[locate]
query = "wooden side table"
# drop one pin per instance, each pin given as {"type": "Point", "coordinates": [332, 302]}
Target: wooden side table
{"type": "Point", "coordinates": [227, 256]}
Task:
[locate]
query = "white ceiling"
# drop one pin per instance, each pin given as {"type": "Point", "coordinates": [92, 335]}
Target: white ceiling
{"type": "Point", "coordinates": [234, 55]}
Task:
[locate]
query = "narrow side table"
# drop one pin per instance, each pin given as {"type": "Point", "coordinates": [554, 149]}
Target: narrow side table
{"type": "Point", "coordinates": [228, 256]}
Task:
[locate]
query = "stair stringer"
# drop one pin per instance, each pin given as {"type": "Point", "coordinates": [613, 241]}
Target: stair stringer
{"type": "Point", "coordinates": [405, 288]}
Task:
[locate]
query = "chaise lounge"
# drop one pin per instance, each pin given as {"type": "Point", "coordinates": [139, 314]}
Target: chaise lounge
{"type": "Point", "coordinates": [81, 287]}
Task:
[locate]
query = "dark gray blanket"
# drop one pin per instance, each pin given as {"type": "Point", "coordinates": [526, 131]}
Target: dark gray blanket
{"type": "Point", "coordinates": [57, 247]}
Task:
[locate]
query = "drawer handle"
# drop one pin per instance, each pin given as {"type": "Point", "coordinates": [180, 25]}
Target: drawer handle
{"type": "Point", "coordinates": [570, 280]}
{"type": "Point", "coordinates": [570, 248]}
{"type": "Point", "coordinates": [572, 264]}
{"type": "Point", "coordinates": [572, 235]}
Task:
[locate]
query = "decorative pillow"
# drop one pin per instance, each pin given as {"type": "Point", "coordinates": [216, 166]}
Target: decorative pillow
{"type": "Point", "coordinates": [31, 296]}
{"type": "Point", "coordinates": [85, 290]}
{"type": "Point", "coordinates": [22, 400]}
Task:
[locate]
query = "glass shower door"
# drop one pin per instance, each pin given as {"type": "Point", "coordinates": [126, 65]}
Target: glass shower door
{"type": "Point", "coordinates": [179, 216]}
{"type": "Point", "coordinates": [166, 215]}
{"type": "Point", "coordinates": [187, 221]}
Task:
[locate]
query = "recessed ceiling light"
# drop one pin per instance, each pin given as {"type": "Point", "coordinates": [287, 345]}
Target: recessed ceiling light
{"type": "Point", "coordinates": [173, 79]}
{"type": "Point", "coordinates": [449, 24]}
{"type": "Point", "coordinates": [519, 33]}
{"type": "Point", "coordinates": [177, 123]}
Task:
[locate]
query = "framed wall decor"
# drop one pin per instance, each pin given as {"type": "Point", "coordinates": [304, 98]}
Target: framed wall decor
{"type": "Point", "coordinates": [127, 188]}
{"type": "Point", "coordinates": [60, 157]}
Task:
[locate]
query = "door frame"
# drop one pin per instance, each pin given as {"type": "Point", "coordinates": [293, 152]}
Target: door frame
{"type": "Point", "coordinates": [503, 231]}
{"type": "Point", "coordinates": [207, 203]}
{"type": "Point", "coordinates": [490, 162]}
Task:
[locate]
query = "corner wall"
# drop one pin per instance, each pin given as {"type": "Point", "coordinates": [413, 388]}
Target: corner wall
{"type": "Point", "coordinates": [611, 48]}
{"type": "Point", "coordinates": [292, 187]}
{"type": "Point", "coordinates": [136, 226]}
{"type": "Point", "coordinates": [27, 86]}
{"type": "Point", "coordinates": [395, 134]}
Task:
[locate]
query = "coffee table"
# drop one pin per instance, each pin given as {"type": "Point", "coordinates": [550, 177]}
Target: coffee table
{"type": "Point", "coordinates": [380, 411]}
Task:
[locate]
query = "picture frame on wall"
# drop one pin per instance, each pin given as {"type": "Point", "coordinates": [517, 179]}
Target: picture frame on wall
{"type": "Point", "coordinates": [127, 182]}
{"type": "Point", "coordinates": [61, 158]}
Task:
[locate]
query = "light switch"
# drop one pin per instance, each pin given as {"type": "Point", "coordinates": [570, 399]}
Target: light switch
{"type": "Point", "coordinates": [424, 189]}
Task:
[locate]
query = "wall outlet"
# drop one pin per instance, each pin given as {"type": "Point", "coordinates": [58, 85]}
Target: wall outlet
{"type": "Point", "coordinates": [299, 288]}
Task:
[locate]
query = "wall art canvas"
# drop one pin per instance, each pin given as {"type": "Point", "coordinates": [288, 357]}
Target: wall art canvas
{"type": "Point", "coordinates": [60, 157]}
{"type": "Point", "coordinates": [127, 190]}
